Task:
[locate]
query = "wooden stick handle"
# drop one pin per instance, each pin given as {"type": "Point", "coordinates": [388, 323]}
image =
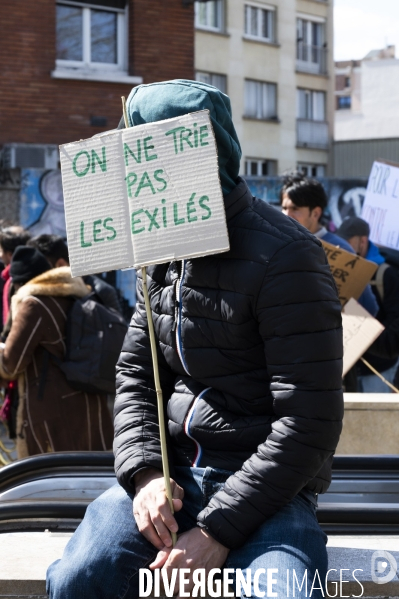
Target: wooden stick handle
{"type": "Point", "coordinates": [384, 380]}
{"type": "Point", "coordinates": [161, 418]}
{"type": "Point", "coordinates": [153, 342]}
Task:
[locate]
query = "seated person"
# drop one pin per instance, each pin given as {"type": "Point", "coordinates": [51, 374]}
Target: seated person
{"type": "Point", "coordinates": [250, 355]}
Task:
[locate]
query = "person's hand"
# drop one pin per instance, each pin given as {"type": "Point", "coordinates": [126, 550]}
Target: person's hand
{"type": "Point", "coordinates": [194, 549]}
{"type": "Point", "coordinates": [151, 507]}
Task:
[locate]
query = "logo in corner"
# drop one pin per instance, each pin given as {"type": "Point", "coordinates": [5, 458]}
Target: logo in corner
{"type": "Point", "coordinates": [380, 560]}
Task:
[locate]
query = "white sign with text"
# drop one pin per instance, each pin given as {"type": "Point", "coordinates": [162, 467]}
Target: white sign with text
{"type": "Point", "coordinates": [144, 195]}
{"type": "Point", "coordinates": [381, 205]}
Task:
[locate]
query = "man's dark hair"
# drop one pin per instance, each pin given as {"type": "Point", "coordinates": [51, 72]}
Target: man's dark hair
{"type": "Point", "coordinates": [51, 246]}
{"type": "Point", "coordinates": [12, 237]}
{"type": "Point", "coordinates": [303, 191]}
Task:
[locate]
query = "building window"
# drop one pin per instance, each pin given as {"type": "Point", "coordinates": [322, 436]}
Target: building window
{"type": "Point", "coordinates": [219, 81]}
{"type": "Point", "coordinates": [312, 128]}
{"type": "Point", "coordinates": [89, 36]}
{"type": "Point", "coordinates": [260, 22]}
{"type": "Point", "coordinates": [311, 105]}
{"type": "Point", "coordinates": [312, 170]}
{"type": "Point", "coordinates": [259, 167]}
{"type": "Point", "coordinates": [347, 81]}
{"type": "Point", "coordinates": [260, 100]}
{"type": "Point", "coordinates": [210, 15]}
{"type": "Point", "coordinates": [344, 102]}
{"type": "Point", "coordinates": [310, 47]}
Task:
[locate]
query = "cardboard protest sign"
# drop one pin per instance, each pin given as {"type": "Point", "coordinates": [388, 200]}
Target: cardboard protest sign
{"type": "Point", "coordinates": [360, 331]}
{"type": "Point", "coordinates": [381, 205]}
{"type": "Point", "coordinates": [351, 272]}
{"type": "Point", "coordinates": [96, 209]}
{"type": "Point", "coordinates": [144, 195]}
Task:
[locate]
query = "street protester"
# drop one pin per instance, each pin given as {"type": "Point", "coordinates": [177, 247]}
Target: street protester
{"type": "Point", "coordinates": [250, 356]}
{"type": "Point", "coordinates": [385, 285]}
{"type": "Point", "coordinates": [10, 238]}
{"type": "Point", "coordinates": [386, 346]}
{"type": "Point", "coordinates": [54, 248]}
{"type": "Point", "coordinates": [305, 200]}
{"type": "Point", "coordinates": [51, 415]}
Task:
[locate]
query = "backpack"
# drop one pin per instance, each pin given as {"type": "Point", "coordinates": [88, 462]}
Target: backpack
{"type": "Point", "coordinates": [94, 339]}
{"type": "Point", "coordinates": [391, 259]}
{"type": "Point", "coordinates": [378, 282]}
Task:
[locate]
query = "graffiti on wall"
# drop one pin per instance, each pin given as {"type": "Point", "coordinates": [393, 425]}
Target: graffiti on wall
{"type": "Point", "coordinates": [42, 202]}
{"type": "Point", "coordinates": [345, 196]}
{"type": "Point", "coordinates": [10, 183]}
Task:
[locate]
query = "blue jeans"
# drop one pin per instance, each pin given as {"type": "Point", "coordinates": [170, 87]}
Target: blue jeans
{"type": "Point", "coordinates": [103, 558]}
{"type": "Point", "coordinates": [371, 383]}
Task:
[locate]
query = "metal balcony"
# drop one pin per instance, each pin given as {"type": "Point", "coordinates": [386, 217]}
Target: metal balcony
{"type": "Point", "coordinates": [312, 134]}
{"type": "Point", "coordinates": [311, 59]}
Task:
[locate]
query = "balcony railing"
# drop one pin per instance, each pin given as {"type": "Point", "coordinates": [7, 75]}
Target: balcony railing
{"type": "Point", "coordinates": [312, 134]}
{"type": "Point", "coordinates": [311, 59]}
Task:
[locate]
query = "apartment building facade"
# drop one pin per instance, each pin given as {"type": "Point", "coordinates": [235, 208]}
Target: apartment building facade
{"type": "Point", "coordinates": [274, 58]}
{"type": "Point", "coordinates": [366, 123]}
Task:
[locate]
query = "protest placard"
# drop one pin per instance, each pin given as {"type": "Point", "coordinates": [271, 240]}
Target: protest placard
{"type": "Point", "coordinates": [351, 272]}
{"type": "Point", "coordinates": [381, 204]}
{"type": "Point", "coordinates": [360, 331]}
{"type": "Point", "coordinates": [144, 195]}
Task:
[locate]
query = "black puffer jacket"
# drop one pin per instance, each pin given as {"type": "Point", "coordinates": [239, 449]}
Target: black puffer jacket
{"type": "Point", "coordinates": [250, 351]}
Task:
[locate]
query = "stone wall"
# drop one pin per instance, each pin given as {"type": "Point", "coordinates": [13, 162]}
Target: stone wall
{"type": "Point", "coordinates": [370, 424]}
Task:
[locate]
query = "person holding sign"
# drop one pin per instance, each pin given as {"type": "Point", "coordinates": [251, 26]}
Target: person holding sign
{"type": "Point", "coordinates": [385, 283]}
{"type": "Point", "coordinates": [249, 348]}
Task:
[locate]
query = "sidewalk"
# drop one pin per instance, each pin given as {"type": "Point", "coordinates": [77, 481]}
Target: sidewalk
{"type": "Point", "coordinates": [26, 556]}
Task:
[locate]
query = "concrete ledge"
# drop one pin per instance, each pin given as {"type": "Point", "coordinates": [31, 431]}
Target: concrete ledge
{"type": "Point", "coordinates": [370, 424]}
{"type": "Point", "coordinates": [25, 558]}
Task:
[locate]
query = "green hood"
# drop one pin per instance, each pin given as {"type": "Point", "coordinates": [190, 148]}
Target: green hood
{"type": "Point", "coordinates": [168, 99]}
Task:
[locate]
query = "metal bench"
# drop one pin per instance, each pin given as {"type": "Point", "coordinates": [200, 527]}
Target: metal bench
{"type": "Point", "coordinates": [51, 492]}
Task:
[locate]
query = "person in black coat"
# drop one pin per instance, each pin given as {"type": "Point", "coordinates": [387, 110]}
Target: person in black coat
{"type": "Point", "coordinates": [250, 355]}
{"type": "Point", "coordinates": [56, 251]}
{"type": "Point", "coordinates": [385, 285]}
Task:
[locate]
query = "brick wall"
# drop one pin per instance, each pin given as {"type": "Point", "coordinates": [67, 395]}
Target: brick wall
{"type": "Point", "coordinates": [163, 39]}
{"type": "Point", "coordinates": [36, 108]}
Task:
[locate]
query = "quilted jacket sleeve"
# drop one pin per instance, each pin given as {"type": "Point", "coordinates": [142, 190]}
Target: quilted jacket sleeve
{"type": "Point", "coordinates": [136, 442]}
{"type": "Point", "coordinates": [299, 319]}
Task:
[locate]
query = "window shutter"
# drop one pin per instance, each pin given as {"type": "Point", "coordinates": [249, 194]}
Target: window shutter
{"type": "Point", "coordinates": [301, 104]}
{"type": "Point", "coordinates": [250, 98]}
{"type": "Point", "coordinates": [271, 101]}
{"type": "Point", "coordinates": [318, 106]}
{"type": "Point", "coordinates": [270, 19]}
